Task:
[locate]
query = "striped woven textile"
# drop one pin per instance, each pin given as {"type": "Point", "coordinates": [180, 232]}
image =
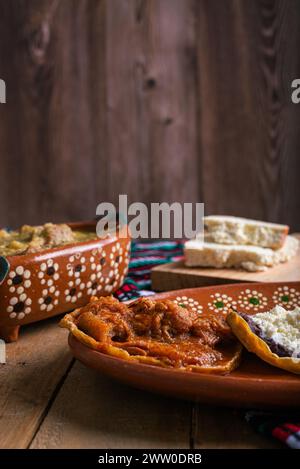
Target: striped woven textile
{"type": "Point", "coordinates": [285, 428]}
{"type": "Point", "coordinates": [145, 256]}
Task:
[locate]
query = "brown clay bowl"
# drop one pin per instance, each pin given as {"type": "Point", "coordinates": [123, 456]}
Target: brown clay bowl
{"type": "Point", "coordinates": [253, 384]}
{"type": "Point", "coordinates": [47, 283]}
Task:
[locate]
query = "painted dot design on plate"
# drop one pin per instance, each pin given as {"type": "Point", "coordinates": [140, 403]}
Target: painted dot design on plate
{"type": "Point", "coordinates": [125, 252]}
{"type": "Point", "coordinates": [74, 290]}
{"type": "Point", "coordinates": [286, 297]}
{"type": "Point", "coordinates": [77, 265]}
{"type": "Point", "coordinates": [76, 268]}
{"type": "Point", "coordinates": [115, 259]}
{"type": "Point", "coordinates": [187, 302]}
{"type": "Point", "coordinates": [94, 285]}
{"type": "Point", "coordinates": [219, 302]}
{"type": "Point", "coordinates": [19, 306]}
{"type": "Point", "coordinates": [97, 263]}
{"type": "Point", "coordinates": [106, 275]}
{"type": "Point", "coordinates": [19, 280]}
{"type": "Point", "coordinates": [49, 298]}
{"type": "Point", "coordinates": [252, 300]}
{"type": "Point", "coordinates": [48, 273]}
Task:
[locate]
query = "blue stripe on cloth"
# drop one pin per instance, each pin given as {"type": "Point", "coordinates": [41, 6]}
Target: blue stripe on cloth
{"type": "Point", "coordinates": [161, 245]}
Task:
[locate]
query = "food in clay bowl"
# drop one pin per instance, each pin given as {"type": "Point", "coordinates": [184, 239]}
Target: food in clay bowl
{"type": "Point", "coordinates": [190, 344]}
{"type": "Point", "coordinates": [51, 269]}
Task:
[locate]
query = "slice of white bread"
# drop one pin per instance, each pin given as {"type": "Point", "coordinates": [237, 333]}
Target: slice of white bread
{"type": "Point", "coordinates": [235, 230]}
{"type": "Point", "coordinates": [251, 258]}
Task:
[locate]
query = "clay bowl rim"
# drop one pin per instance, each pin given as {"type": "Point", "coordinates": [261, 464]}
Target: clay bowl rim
{"type": "Point", "coordinates": [44, 253]}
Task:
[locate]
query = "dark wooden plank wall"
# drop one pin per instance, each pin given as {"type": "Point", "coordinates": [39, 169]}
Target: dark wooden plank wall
{"type": "Point", "coordinates": [172, 100]}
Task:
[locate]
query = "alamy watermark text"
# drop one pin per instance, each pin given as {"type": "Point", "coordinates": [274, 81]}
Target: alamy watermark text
{"type": "Point", "coordinates": [157, 220]}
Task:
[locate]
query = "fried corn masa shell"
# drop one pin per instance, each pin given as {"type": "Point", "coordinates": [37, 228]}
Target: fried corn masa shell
{"type": "Point", "coordinates": [69, 321]}
{"type": "Point", "coordinates": [255, 344]}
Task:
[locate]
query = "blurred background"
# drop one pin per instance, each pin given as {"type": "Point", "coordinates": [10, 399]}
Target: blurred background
{"type": "Point", "coordinates": [163, 100]}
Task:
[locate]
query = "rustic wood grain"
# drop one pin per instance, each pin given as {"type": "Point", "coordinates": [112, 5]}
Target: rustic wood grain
{"type": "Point", "coordinates": [232, 138]}
{"type": "Point", "coordinates": [34, 369]}
{"type": "Point", "coordinates": [220, 428]}
{"type": "Point", "coordinates": [50, 138]}
{"type": "Point", "coordinates": [164, 100]}
{"type": "Point", "coordinates": [245, 83]}
{"type": "Point", "coordinates": [175, 275]}
{"type": "Point", "coordinates": [91, 411]}
{"type": "Point", "coordinates": [168, 104]}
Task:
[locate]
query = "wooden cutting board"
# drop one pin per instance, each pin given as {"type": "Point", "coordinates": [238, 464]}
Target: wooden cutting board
{"type": "Point", "coordinates": [175, 275]}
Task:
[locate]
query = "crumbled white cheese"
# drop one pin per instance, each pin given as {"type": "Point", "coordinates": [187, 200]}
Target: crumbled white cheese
{"type": "Point", "coordinates": [282, 326]}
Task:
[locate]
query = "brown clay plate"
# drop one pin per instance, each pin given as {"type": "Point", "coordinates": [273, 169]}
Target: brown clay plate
{"type": "Point", "coordinates": [253, 384]}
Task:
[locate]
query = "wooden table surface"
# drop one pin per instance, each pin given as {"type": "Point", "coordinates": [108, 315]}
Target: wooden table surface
{"type": "Point", "coordinates": [50, 400]}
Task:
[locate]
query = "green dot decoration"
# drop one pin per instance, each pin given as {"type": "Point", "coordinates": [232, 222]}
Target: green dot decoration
{"type": "Point", "coordinates": [285, 298]}
{"type": "Point", "coordinates": [254, 300]}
